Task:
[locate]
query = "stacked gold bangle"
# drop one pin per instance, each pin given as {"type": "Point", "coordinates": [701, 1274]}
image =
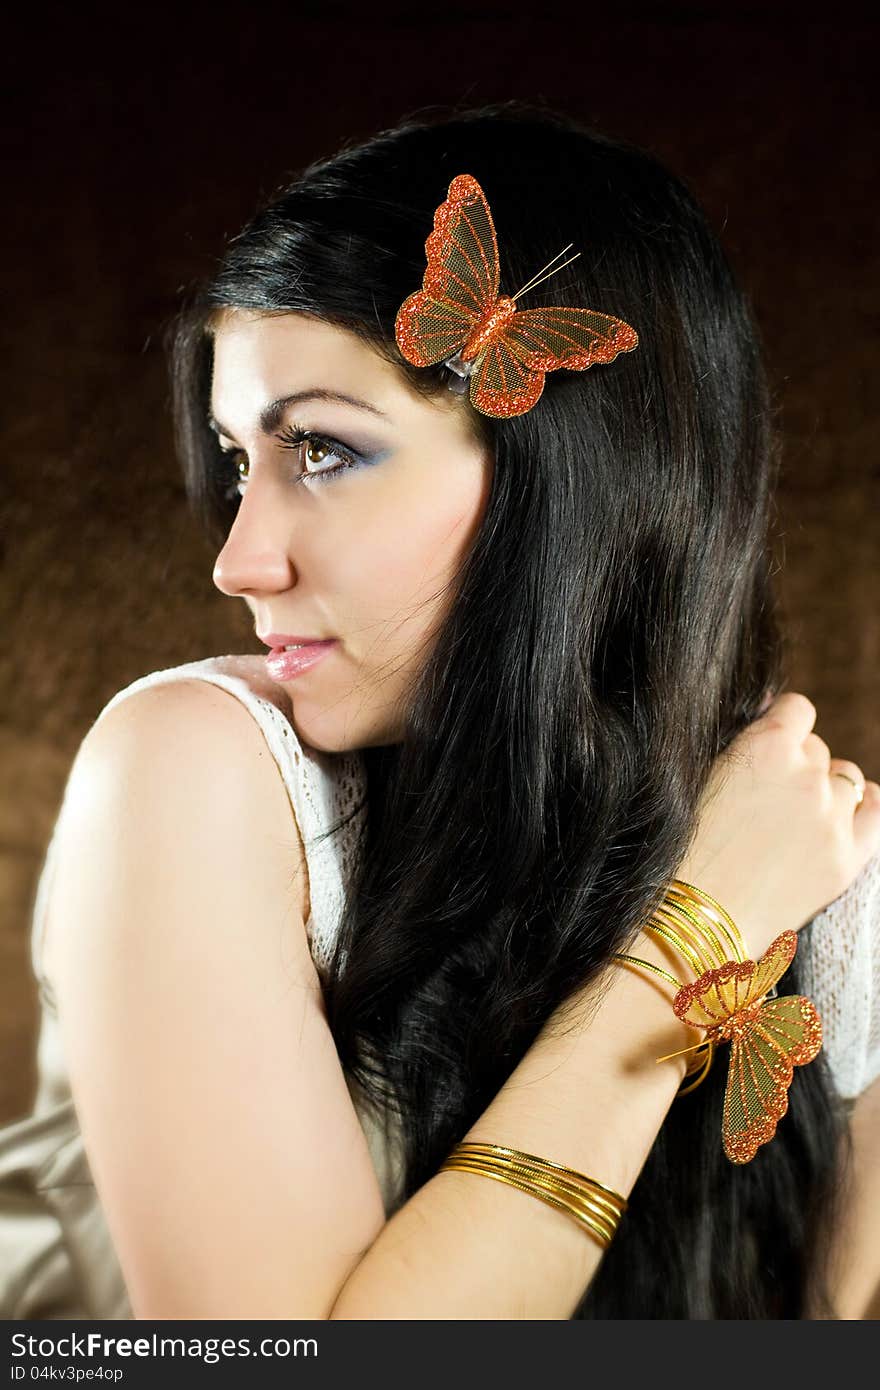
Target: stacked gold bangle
{"type": "Point", "coordinates": [593, 1205]}
{"type": "Point", "coordinates": [694, 923]}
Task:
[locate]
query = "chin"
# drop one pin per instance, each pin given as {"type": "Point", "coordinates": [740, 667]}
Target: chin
{"type": "Point", "coordinates": [327, 732]}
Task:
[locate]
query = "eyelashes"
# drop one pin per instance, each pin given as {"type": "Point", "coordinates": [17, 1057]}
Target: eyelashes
{"type": "Point", "coordinates": [291, 437]}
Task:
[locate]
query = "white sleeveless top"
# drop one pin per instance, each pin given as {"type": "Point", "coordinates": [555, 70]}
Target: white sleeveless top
{"type": "Point", "coordinates": [56, 1256]}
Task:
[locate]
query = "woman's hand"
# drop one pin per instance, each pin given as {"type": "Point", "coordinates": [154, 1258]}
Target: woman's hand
{"type": "Point", "coordinates": [779, 836]}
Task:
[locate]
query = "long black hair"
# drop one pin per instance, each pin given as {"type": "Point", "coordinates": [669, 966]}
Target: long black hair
{"type": "Point", "coordinates": [547, 785]}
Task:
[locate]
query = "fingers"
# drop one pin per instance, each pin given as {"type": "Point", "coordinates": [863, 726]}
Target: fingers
{"type": "Point", "coordinates": [864, 808]}
{"type": "Point", "coordinates": [866, 820]}
{"type": "Point", "coordinates": [794, 710]}
{"type": "Point", "coordinates": [796, 714]}
{"type": "Point", "coordinates": [843, 775]}
{"type": "Point", "coordinates": [819, 754]}
{"type": "Point", "coordinates": [786, 732]}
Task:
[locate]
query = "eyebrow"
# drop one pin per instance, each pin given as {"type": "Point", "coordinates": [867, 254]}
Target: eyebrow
{"type": "Point", "coordinates": [272, 414]}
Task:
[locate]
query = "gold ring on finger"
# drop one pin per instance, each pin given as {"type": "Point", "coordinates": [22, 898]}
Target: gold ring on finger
{"type": "Point", "coordinates": [859, 786]}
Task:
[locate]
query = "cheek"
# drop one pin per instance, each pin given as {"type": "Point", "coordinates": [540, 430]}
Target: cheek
{"type": "Point", "coordinates": [409, 549]}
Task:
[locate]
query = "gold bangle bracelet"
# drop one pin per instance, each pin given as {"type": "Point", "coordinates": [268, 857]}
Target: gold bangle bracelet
{"type": "Point", "coordinates": [685, 921]}
{"type": "Point", "coordinates": [680, 889]}
{"type": "Point", "coordinates": [527, 1160]}
{"type": "Point", "coordinates": [684, 949]}
{"type": "Point", "coordinates": [697, 912]}
{"type": "Point", "coordinates": [686, 911]}
{"type": "Point", "coordinates": [593, 1219]}
{"type": "Point", "coordinates": [599, 1229]}
{"type": "Point", "coordinates": [697, 922]}
{"type": "Point", "coordinates": [590, 1203]}
{"type": "Point", "coordinates": [655, 969]}
{"type": "Point", "coordinates": [703, 933]}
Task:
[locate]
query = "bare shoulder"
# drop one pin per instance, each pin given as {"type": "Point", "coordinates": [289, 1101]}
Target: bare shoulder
{"type": "Point", "coordinates": [191, 725]}
{"type": "Point", "coordinates": [184, 760]}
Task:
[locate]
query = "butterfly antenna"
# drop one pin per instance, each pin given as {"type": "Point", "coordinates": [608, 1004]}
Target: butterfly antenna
{"type": "Point", "coordinates": [536, 283]}
{"type": "Point", "coordinates": [680, 1054]}
{"type": "Point", "coordinates": [529, 283]}
{"type": "Point", "coordinates": [539, 275]}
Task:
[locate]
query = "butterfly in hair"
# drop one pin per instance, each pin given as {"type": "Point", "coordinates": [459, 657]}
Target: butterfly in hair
{"type": "Point", "coordinates": [768, 1036]}
{"type": "Point", "coordinates": [459, 318]}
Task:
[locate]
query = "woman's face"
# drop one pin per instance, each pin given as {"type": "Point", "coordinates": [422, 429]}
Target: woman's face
{"type": "Point", "coordinates": [365, 554]}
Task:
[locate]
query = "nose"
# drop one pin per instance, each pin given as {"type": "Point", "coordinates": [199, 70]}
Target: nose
{"type": "Point", "coordinates": [255, 556]}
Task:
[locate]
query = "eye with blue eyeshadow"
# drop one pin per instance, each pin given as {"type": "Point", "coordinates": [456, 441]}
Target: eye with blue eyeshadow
{"type": "Point", "coordinates": [294, 437]}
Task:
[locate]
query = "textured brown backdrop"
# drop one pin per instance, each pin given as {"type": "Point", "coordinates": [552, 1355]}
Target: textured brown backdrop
{"type": "Point", "coordinates": [134, 151]}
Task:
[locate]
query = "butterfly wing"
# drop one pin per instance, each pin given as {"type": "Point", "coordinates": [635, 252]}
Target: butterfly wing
{"type": "Point", "coordinates": [510, 374]}
{"type": "Point", "coordinates": [787, 1033]}
{"type": "Point", "coordinates": [500, 385]}
{"type": "Point", "coordinates": [462, 250]}
{"type": "Point", "coordinates": [792, 1024]}
{"type": "Point", "coordinates": [715, 995]}
{"type": "Point", "coordinates": [547, 339]}
{"type": "Point", "coordinates": [429, 330]}
{"type": "Point", "coordinates": [755, 1097]}
{"type": "Point", "coordinates": [774, 962]}
{"type": "Point", "coordinates": [722, 992]}
{"type": "Point", "coordinates": [460, 280]}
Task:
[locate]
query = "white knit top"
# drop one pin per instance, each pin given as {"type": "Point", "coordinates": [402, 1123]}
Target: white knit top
{"type": "Point", "coordinates": [56, 1257]}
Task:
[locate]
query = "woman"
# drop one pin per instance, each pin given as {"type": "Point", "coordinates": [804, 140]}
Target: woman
{"type": "Point", "coordinates": [540, 651]}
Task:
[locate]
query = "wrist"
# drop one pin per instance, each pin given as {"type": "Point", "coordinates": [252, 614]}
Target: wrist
{"type": "Point", "coordinates": [639, 1003]}
{"type": "Point", "coordinates": [623, 1021]}
{"type": "Point", "coordinates": [745, 901]}
{"type": "Point", "coordinates": [601, 1094]}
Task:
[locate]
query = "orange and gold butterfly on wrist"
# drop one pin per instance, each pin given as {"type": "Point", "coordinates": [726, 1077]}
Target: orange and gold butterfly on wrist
{"type": "Point", "coordinates": [459, 318]}
{"type": "Point", "coordinates": [768, 1036]}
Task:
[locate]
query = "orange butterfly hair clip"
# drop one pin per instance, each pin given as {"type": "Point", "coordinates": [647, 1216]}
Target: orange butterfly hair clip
{"type": "Point", "coordinates": [768, 1036]}
{"type": "Point", "coordinates": [459, 318]}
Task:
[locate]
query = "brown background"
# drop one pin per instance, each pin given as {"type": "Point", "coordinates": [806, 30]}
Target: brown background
{"type": "Point", "coordinates": [136, 148]}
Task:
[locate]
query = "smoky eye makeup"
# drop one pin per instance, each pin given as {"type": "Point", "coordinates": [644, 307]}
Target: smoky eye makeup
{"type": "Point", "coordinates": [321, 457]}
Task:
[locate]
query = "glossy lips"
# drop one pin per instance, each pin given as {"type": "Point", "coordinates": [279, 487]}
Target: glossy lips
{"type": "Point", "coordinates": [285, 665]}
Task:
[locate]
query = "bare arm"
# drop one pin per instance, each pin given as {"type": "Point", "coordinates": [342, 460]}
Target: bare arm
{"type": "Point", "coordinates": [467, 1247]}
